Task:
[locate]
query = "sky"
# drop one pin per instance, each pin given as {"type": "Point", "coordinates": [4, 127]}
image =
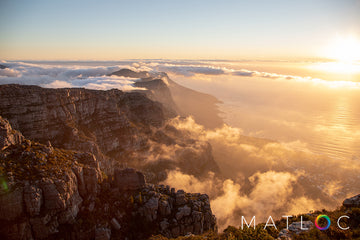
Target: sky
{"type": "Point", "coordinates": [227, 29]}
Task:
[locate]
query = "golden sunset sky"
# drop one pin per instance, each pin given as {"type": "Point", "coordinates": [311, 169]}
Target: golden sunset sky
{"type": "Point", "coordinates": [230, 29]}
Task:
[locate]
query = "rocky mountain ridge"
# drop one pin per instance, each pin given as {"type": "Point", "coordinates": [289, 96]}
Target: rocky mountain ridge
{"type": "Point", "coordinates": [185, 101]}
{"type": "Point", "coordinates": [119, 128]}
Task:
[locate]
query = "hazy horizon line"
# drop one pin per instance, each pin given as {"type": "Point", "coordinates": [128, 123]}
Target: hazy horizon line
{"type": "Point", "coordinates": [295, 59]}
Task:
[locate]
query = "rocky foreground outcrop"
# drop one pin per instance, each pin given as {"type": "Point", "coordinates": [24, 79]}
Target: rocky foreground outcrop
{"type": "Point", "coordinates": [156, 209]}
{"type": "Point", "coordinates": [48, 192]}
{"type": "Point", "coordinates": [41, 187]}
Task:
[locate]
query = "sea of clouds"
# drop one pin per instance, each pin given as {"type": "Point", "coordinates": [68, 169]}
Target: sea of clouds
{"type": "Point", "coordinates": [263, 177]}
{"type": "Point", "coordinates": [66, 76]}
{"type": "Point", "coordinates": [85, 74]}
{"type": "Point", "coordinates": [259, 177]}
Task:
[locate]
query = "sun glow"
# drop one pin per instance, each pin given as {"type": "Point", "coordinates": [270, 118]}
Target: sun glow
{"type": "Point", "coordinates": [350, 68]}
{"type": "Point", "coordinates": [344, 49]}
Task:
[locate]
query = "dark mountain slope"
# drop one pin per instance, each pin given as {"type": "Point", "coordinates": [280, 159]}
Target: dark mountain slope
{"type": "Point", "coordinates": [188, 102]}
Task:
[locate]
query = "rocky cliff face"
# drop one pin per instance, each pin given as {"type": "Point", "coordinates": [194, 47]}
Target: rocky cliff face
{"type": "Point", "coordinates": [100, 122]}
{"type": "Point", "coordinates": [160, 92]}
{"type": "Point", "coordinates": [117, 127]}
{"type": "Point", "coordinates": [60, 194]}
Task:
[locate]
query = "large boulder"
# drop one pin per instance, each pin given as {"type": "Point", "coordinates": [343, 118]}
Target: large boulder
{"type": "Point", "coordinates": [8, 136]}
{"type": "Point", "coordinates": [151, 208]}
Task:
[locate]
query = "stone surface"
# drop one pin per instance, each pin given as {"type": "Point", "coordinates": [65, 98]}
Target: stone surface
{"type": "Point", "coordinates": [295, 228]}
{"type": "Point", "coordinates": [164, 225]}
{"type": "Point", "coordinates": [33, 199]}
{"type": "Point", "coordinates": [151, 209]}
{"type": "Point", "coordinates": [352, 202]}
{"type": "Point", "coordinates": [115, 224]}
{"type": "Point", "coordinates": [284, 234]}
{"type": "Point", "coordinates": [183, 211]}
{"type": "Point", "coordinates": [11, 204]}
{"type": "Point", "coordinates": [180, 198]}
{"type": "Point", "coordinates": [8, 136]}
{"type": "Point", "coordinates": [164, 208]}
{"type": "Point", "coordinates": [129, 179]}
{"type": "Point", "coordinates": [175, 219]}
{"type": "Point", "coordinates": [102, 234]}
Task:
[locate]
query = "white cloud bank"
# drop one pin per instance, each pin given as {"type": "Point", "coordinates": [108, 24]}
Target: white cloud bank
{"type": "Point", "coordinates": [190, 69]}
{"type": "Point", "coordinates": [58, 76]}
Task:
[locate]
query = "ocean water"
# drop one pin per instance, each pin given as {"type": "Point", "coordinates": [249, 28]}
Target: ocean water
{"type": "Point", "coordinates": [315, 104]}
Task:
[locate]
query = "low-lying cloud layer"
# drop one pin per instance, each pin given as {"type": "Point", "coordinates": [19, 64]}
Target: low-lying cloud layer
{"type": "Point", "coordinates": [64, 76]}
{"type": "Point", "coordinates": [42, 74]}
{"type": "Point", "coordinates": [190, 69]}
{"type": "Point", "coordinates": [263, 178]}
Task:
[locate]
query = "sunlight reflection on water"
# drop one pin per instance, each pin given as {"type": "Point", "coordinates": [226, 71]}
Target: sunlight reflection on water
{"type": "Point", "coordinates": [323, 114]}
